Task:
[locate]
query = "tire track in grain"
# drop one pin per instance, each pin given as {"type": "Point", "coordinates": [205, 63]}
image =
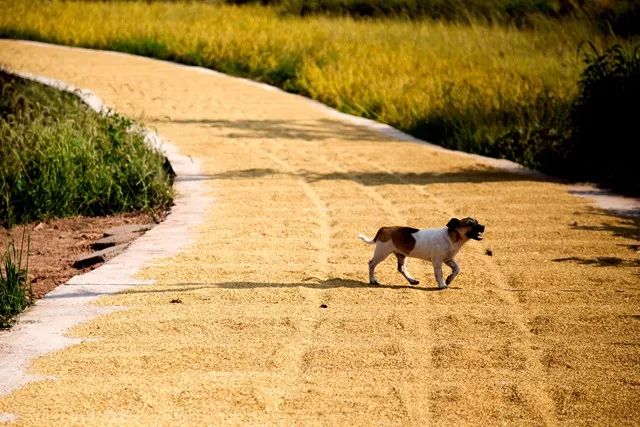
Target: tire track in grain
{"type": "Point", "coordinates": [542, 401]}
{"type": "Point", "coordinates": [409, 400]}
{"type": "Point", "coordinates": [308, 314]}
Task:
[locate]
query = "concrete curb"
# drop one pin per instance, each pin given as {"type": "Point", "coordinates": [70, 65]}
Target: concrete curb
{"type": "Point", "coordinates": [41, 329]}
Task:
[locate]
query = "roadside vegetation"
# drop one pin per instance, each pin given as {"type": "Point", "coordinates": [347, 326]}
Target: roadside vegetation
{"type": "Point", "coordinates": [503, 84]}
{"type": "Point", "coordinates": [15, 294]}
{"type": "Point", "coordinates": [59, 158]}
{"type": "Point", "coordinates": [604, 119]}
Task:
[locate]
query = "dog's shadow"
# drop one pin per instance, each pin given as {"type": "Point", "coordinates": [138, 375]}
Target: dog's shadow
{"type": "Point", "coordinates": [337, 282]}
{"type": "Point", "coordinates": [309, 282]}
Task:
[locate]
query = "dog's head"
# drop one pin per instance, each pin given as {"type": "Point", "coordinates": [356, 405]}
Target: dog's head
{"type": "Point", "coordinates": [469, 228]}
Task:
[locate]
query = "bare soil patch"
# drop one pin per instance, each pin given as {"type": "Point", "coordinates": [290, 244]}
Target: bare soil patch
{"type": "Point", "coordinates": [57, 243]}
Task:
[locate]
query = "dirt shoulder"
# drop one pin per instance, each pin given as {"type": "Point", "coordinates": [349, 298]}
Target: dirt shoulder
{"type": "Point", "coordinates": [57, 243]}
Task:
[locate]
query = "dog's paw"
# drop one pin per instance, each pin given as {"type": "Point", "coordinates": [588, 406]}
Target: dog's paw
{"type": "Point", "coordinates": [414, 282]}
{"type": "Point", "coordinates": [374, 282]}
{"type": "Point", "coordinates": [449, 280]}
{"type": "Point", "coordinates": [442, 287]}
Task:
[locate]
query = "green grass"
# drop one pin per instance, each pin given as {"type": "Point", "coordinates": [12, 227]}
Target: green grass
{"type": "Point", "coordinates": [59, 158]}
{"type": "Point", "coordinates": [500, 90]}
{"type": "Point", "coordinates": [15, 295]}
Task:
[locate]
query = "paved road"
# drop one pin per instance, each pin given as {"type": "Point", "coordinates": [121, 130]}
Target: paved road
{"type": "Point", "coordinates": [543, 331]}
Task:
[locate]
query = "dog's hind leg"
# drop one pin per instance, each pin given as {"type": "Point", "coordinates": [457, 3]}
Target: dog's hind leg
{"type": "Point", "coordinates": [402, 268]}
{"type": "Point", "coordinates": [455, 270]}
{"type": "Point", "coordinates": [383, 250]}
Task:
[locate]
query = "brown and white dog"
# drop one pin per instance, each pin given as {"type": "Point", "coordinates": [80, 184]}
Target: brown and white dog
{"type": "Point", "coordinates": [438, 245]}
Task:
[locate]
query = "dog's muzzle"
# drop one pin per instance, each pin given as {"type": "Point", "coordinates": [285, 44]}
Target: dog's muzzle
{"type": "Point", "coordinates": [476, 233]}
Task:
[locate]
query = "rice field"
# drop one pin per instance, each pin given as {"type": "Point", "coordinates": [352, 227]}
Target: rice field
{"type": "Point", "coordinates": [491, 89]}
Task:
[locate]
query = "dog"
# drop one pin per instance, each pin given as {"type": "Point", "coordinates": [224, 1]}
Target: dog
{"type": "Point", "coordinates": [438, 245]}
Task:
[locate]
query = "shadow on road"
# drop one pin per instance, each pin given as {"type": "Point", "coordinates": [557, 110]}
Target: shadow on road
{"type": "Point", "coordinates": [311, 283]}
{"type": "Point", "coordinates": [626, 225]}
{"type": "Point", "coordinates": [619, 225]}
{"type": "Point", "coordinates": [603, 261]}
{"type": "Point", "coordinates": [374, 178]}
{"type": "Point", "coordinates": [306, 130]}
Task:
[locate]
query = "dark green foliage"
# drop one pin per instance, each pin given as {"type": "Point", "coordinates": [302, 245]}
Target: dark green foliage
{"type": "Point", "coordinates": [141, 46]}
{"type": "Point", "coordinates": [538, 135]}
{"type": "Point", "coordinates": [451, 10]}
{"type": "Point", "coordinates": [619, 16]}
{"type": "Point", "coordinates": [14, 295]}
{"type": "Point", "coordinates": [533, 133]}
{"type": "Point", "coordinates": [58, 158]}
{"type": "Point", "coordinates": [605, 119]}
{"type": "Point", "coordinates": [595, 138]}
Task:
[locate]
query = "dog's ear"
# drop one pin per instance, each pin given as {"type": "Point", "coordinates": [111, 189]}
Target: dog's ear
{"type": "Point", "coordinates": [453, 223]}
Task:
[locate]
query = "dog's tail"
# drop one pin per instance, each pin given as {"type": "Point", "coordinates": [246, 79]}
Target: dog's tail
{"type": "Point", "coordinates": [365, 239]}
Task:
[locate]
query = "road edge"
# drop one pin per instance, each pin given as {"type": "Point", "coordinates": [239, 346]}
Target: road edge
{"type": "Point", "coordinates": [42, 327]}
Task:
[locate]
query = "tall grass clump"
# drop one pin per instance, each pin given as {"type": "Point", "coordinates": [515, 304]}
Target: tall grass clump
{"type": "Point", "coordinates": [15, 295]}
{"type": "Point", "coordinates": [59, 158]}
{"type": "Point", "coordinates": [606, 118]}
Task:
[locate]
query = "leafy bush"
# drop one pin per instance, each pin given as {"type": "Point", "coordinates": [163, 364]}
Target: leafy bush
{"type": "Point", "coordinates": [58, 158]}
{"type": "Point", "coordinates": [532, 131]}
{"type": "Point", "coordinates": [605, 118]}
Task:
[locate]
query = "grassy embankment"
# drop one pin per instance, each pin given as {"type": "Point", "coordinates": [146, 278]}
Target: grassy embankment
{"type": "Point", "coordinates": [494, 89]}
{"type": "Point", "coordinates": [59, 158]}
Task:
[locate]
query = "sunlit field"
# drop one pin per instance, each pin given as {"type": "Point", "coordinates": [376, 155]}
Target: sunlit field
{"type": "Point", "coordinates": [254, 302]}
{"type": "Point", "coordinates": [493, 89]}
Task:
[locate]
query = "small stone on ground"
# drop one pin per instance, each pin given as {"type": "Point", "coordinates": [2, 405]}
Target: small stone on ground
{"type": "Point", "coordinates": [126, 229]}
{"type": "Point", "coordinates": [117, 239]}
{"type": "Point", "coordinates": [99, 256]}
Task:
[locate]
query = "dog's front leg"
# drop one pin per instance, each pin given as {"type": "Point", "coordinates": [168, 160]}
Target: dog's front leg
{"type": "Point", "coordinates": [455, 270]}
{"type": "Point", "coordinates": [437, 269]}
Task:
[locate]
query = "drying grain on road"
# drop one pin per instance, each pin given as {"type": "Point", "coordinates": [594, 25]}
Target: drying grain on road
{"type": "Point", "coordinates": [273, 320]}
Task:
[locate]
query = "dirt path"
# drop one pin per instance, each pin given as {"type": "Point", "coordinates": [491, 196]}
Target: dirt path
{"type": "Point", "coordinates": [544, 331]}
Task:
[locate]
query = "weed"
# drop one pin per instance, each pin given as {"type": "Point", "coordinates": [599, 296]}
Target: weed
{"type": "Point", "coordinates": [15, 295]}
